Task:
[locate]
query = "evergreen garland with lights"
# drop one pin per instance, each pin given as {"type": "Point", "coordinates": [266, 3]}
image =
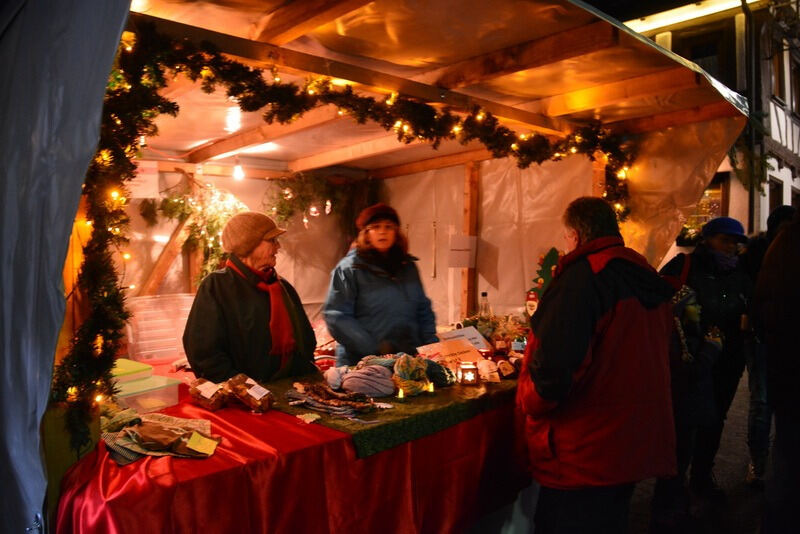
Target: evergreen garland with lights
{"type": "Point", "coordinates": [132, 103]}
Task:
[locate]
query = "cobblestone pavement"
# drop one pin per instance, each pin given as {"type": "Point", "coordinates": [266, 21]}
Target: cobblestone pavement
{"type": "Point", "coordinates": [741, 513]}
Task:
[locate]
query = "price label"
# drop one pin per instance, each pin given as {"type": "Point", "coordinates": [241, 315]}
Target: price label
{"type": "Point", "coordinates": [207, 389]}
{"type": "Point", "coordinates": [257, 392]}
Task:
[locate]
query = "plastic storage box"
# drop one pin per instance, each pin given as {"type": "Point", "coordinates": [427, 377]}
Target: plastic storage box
{"type": "Point", "coordinates": [155, 329]}
{"type": "Point", "coordinates": [149, 394]}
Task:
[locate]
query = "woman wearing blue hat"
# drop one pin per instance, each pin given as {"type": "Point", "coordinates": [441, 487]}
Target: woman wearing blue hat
{"type": "Point", "coordinates": [723, 290]}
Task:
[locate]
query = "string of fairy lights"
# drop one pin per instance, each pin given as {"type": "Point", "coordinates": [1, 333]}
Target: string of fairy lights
{"type": "Point", "coordinates": [145, 62]}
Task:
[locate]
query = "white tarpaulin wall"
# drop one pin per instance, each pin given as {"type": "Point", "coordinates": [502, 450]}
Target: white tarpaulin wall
{"type": "Point", "coordinates": [54, 59]}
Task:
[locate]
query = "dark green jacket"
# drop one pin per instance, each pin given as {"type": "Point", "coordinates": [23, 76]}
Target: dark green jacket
{"type": "Point", "coordinates": [228, 330]}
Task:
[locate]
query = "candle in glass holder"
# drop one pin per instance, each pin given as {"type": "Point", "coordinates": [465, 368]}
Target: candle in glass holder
{"type": "Point", "coordinates": [430, 387]}
{"type": "Point", "coordinates": [469, 373]}
{"type": "Point", "coordinates": [400, 394]}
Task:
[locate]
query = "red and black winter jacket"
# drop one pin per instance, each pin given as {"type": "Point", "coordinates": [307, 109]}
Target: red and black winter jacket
{"type": "Point", "coordinates": [595, 387]}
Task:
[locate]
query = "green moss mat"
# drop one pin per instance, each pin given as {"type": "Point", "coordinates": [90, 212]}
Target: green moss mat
{"type": "Point", "coordinates": [412, 419]}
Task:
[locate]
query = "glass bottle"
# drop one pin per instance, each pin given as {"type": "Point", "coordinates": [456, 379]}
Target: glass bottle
{"type": "Point", "coordinates": [484, 309]}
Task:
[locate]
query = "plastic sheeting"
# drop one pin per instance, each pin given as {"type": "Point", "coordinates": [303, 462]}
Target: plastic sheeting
{"type": "Point", "coordinates": [55, 58]}
{"type": "Point", "coordinates": [520, 210]}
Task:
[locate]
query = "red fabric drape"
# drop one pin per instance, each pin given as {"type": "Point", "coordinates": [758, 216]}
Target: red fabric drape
{"type": "Point", "coordinates": [274, 473]}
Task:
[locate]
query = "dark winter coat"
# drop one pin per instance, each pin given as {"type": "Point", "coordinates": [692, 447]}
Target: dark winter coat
{"type": "Point", "coordinates": [228, 330]}
{"type": "Point", "coordinates": [373, 309]}
{"type": "Point", "coordinates": [595, 387]}
{"type": "Point", "coordinates": [723, 295]}
{"type": "Point", "coordinates": [777, 301]}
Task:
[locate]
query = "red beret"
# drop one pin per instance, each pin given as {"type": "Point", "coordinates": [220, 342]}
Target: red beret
{"type": "Point", "coordinates": [376, 212]}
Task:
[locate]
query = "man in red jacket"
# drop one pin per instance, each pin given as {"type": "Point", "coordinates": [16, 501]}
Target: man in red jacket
{"type": "Point", "coordinates": [595, 386]}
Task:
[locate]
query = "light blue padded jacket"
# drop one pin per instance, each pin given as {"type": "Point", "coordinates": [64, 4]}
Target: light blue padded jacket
{"type": "Point", "coordinates": [369, 311]}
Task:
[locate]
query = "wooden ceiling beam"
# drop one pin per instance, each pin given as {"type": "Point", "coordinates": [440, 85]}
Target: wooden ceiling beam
{"type": "Point", "coordinates": [599, 96]}
{"type": "Point", "coordinates": [430, 164]}
{"type": "Point", "coordinates": [299, 18]}
{"type": "Point", "coordinates": [339, 156]}
{"type": "Point", "coordinates": [212, 169]}
{"type": "Point", "coordinates": [263, 134]}
{"type": "Point", "coordinates": [561, 46]}
{"type": "Point", "coordinates": [271, 55]}
{"type": "Point", "coordinates": [717, 110]}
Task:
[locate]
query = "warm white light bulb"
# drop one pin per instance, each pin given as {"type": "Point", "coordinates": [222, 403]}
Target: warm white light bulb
{"type": "Point", "coordinates": [238, 172]}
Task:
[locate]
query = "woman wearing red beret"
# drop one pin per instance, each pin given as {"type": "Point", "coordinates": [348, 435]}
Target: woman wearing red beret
{"type": "Point", "coordinates": [376, 303]}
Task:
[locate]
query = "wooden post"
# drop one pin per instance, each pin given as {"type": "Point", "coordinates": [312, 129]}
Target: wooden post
{"type": "Point", "coordinates": [470, 227]}
{"type": "Point", "coordinates": [196, 255]}
{"type": "Point", "coordinates": [164, 261]}
{"type": "Point", "coordinates": [598, 175]}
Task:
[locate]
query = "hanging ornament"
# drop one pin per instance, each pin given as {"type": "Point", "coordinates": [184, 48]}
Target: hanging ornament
{"type": "Point", "coordinates": [288, 194]}
{"type": "Point", "coordinates": [305, 221]}
{"type": "Point", "coordinates": [313, 211]}
{"type": "Point", "coordinates": [328, 207]}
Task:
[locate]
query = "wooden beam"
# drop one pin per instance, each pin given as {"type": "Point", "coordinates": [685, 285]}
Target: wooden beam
{"type": "Point", "coordinates": [160, 269]}
{"type": "Point", "coordinates": [708, 112]}
{"type": "Point", "coordinates": [338, 156]}
{"type": "Point", "coordinates": [299, 18]}
{"type": "Point", "coordinates": [271, 55]}
{"type": "Point", "coordinates": [568, 44]}
{"type": "Point", "coordinates": [439, 162]}
{"type": "Point", "coordinates": [599, 96]}
{"type": "Point", "coordinates": [195, 256]}
{"type": "Point", "coordinates": [470, 227]}
{"type": "Point", "coordinates": [211, 169]}
{"type": "Point", "coordinates": [263, 134]}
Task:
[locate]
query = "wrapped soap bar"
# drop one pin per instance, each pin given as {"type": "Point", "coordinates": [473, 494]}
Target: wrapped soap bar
{"type": "Point", "coordinates": [209, 395]}
{"type": "Point", "coordinates": [506, 369]}
{"type": "Point", "coordinates": [251, 393]}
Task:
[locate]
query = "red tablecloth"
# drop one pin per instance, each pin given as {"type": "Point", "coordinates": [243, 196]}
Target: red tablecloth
{"type": "Point", "coordinates": [274, 473]}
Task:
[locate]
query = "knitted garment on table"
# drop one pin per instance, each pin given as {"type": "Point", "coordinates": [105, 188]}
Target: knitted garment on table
{"type": "Point", "coordinates": [372, 381]}
{"type": "Point", "coordinates": [410, 374]}
{"type": "Point", "coordinates": [334, 376]}
{"type": "Point", "coordinates": [440, 375]}
{"type": "Point", "coordinates": [385, 360]}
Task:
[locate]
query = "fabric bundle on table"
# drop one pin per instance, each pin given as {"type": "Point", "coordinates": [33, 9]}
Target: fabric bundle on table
{"type": "Point", "coordinates": [161, 435]}
{"type": "Point", "coordinates": [385, 360]}
{"type": "Point", "coordinates": [372, 381]}
{"type": "Point", "coordinates": [334, 375]}
{"type": "Point", "coordinates": [410, 373]}
{"type": "Point", "coordinates": [440, 375]}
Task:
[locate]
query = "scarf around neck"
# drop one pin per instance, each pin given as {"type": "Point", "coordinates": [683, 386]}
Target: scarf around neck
{"type": "Point", "coordinates": [280, 324]}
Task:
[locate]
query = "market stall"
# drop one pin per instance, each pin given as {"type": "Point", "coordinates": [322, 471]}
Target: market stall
{"type": "Point", "coordinates": [480, 131]}
{"type": "Point", "coordinates": [272, 472]}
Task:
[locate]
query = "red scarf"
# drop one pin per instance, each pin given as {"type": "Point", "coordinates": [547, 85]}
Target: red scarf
{"type": "Point", "coordinates": [280, 325]}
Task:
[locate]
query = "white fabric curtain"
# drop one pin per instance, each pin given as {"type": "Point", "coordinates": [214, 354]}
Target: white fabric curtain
{"type": "Point", "coordinates": [54, 58]}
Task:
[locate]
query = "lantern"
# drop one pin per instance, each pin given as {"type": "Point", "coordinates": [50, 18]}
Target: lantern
{"type": "Point", "coordinates": [468, 374]}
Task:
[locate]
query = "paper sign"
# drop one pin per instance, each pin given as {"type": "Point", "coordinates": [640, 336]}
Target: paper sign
{"type": "Point", "coordinates": [145, 184]}
{"type": "Point", "coordinates": [459, 348]}
{"type": "Point", "coordinates": [257, 392]}
{"type": "Point", "coordinates": [462, 250]}
{"type": "Point", "coordinates": [207, 389]}
{"type": "Point", "coordinates": [470, 333]}
{"type": "Point", "coordinates": [198, 442]}
{"type": "Point", "coordinates": [249, 382]}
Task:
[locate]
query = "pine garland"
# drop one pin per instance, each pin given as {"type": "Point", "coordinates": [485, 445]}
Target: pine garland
{"type": "Point", "coordinates": [132, 102]}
